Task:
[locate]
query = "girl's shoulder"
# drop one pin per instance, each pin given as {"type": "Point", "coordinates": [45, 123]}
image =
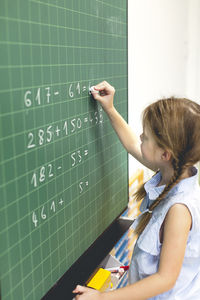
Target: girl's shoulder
{"type": "Point", "coordinates": [189, 198]}
{"type": "Point", "coordinates": [186, 192]}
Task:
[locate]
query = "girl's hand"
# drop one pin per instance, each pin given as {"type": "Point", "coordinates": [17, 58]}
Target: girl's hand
{"type": "Point", "coordinates": [86, 293]}
{"type": "Point", "coordinates": [104, 93]}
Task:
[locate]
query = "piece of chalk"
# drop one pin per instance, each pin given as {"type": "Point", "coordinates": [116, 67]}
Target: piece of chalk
{"type": "Point", "coordinates": [92, 90]}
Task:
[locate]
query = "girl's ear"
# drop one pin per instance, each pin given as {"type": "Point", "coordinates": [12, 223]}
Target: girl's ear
{"type": "Point", "coordinates": [166, 155]}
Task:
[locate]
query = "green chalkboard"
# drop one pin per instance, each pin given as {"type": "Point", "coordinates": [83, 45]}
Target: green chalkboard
{"type": "Point", "coordinates": [63, 172]}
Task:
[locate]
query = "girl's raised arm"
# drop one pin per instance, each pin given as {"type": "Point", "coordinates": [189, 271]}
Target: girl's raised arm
{"type": "Point", "coordinates": [104, 93]}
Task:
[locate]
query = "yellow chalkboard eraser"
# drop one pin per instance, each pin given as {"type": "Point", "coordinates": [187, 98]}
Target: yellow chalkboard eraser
{"type": "Point", "coordinates": [101, 280]}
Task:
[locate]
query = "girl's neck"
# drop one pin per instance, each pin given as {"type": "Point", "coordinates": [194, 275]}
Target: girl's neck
{"type": "Point", "coordinates": [166, 175]}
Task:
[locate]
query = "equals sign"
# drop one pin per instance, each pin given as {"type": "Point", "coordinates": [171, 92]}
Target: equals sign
{"type": "Point", "coordinates": [85, 120]}
{"type": "Point", "coordinates": [86, 183]}
{"type": "Point", "coordinates": [84, 88]}
{"type": "Point", "coordinates": [56, 93]}
{"type": "Point", "coordinates": [86, 152]}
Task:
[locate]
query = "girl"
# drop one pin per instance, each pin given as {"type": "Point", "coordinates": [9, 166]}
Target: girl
{"type": "Point", "coordinates": [166, 258]}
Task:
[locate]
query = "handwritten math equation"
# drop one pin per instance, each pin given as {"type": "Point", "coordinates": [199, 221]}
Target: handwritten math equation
{"type": "Point", "coordinates": [53, 132]}
{"type": "Point", "coordinates": [46, 95]}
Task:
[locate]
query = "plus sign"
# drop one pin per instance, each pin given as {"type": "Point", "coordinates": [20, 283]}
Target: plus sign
{"type": "Point", "coordinates": [57, 131]}
{"type": "Point", "coordinates": [61, 201]}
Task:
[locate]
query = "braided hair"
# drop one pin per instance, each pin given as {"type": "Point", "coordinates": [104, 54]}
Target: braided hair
{"type": "Point", "coordinates": [175, 125]}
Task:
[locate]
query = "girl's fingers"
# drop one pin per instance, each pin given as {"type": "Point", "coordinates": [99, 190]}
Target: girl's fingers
{"type": "Point", "coordinates": [104, 86]}
{"type": "Point", "coordinates": [80, 289]}
{"type": "Point", "coordinates": [102, 89]}
{"type": "Point", "coordinates": [104, 93]}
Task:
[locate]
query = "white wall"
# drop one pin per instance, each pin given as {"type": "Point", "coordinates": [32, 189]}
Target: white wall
{"type": "Point", "coordinates": [193, 67]}
{"type": "Point", "coordinates": [164, 49]}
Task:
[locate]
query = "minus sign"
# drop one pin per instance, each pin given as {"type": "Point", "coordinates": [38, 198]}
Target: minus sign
{"type": "Point", "coordinates": [59, 168]}
{"type": "Point", "coordinates": [56, 93]}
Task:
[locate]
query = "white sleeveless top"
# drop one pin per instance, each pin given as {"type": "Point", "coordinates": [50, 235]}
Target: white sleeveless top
{"type": "Point", "coordinates": [146, 255]}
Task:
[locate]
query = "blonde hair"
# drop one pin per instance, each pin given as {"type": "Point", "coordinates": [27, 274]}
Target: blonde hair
{"type": "Point", "coordinates": [175, 125]}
